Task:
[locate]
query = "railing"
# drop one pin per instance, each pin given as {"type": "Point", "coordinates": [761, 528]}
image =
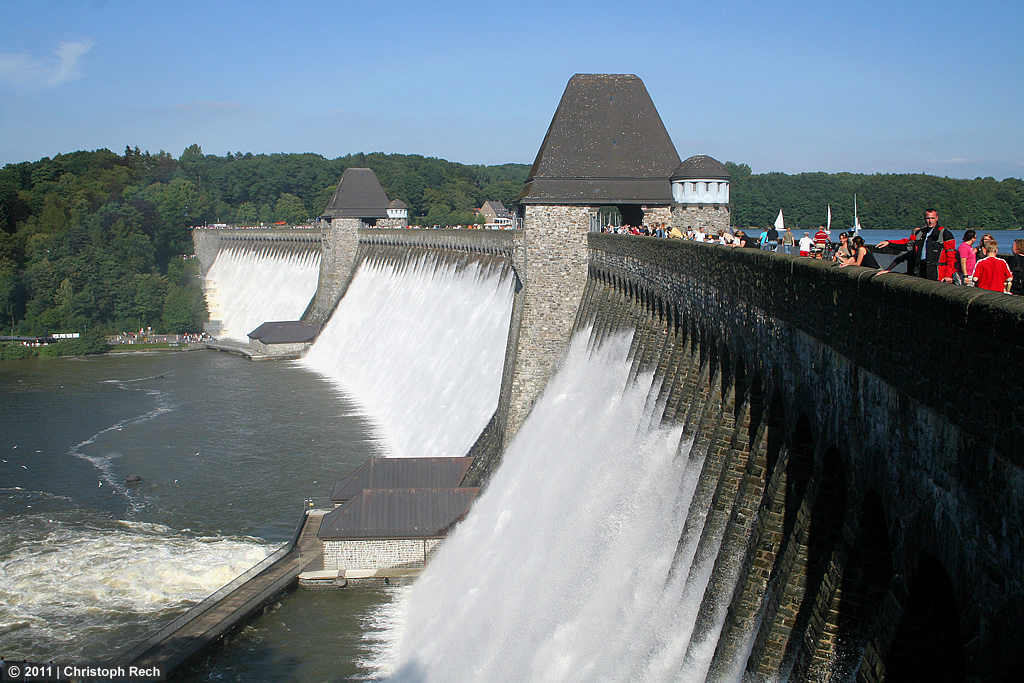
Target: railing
{"type": "Point", "coordinates": [215, 597]}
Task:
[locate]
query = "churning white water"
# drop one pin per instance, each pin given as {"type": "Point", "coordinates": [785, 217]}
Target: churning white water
{"type": "Point", "coordinates": [75, 582]}
{"type": "Point", "coordinates": [247, 287]}
{"type": "Point", "coordinates": [421, 346]}
{"type": "Point", "coordinates": [566, 568]}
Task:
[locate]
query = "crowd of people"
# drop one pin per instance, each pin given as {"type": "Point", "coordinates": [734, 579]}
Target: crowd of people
{"type": "Point", "coordinates": [931, 251]}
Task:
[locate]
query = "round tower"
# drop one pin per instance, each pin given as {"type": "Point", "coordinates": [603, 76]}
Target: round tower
{"type": "Point", "coordinates": [700, 190]}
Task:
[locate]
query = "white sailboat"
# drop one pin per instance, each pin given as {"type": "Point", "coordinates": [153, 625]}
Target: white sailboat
{"type": "Point", "coordinates": [856, 221]}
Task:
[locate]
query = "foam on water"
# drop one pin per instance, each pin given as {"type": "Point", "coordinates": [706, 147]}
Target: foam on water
{"type": "Point", "coordinates": [421, 346]}
{"type": "Point", "coordinates": [247, 287]}
{"type": "Point", "coordinates": [71, 581]}
{"type": "Point", "coordinates": [565, 569]}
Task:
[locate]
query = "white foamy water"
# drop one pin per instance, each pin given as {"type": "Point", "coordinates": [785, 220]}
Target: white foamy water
{"type": "Point", "coordinates": [421, 346]}
{"type": "Point", "coordinates": [247, 287]}
{"type": "Point", "coordinates": [566, 568]}
{"type": "Point", "coordinates": [62, 583]}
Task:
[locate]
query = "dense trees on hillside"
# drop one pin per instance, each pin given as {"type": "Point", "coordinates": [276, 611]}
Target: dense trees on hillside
{"type": "Point", "coordinates": [99, 241]}
{"type": "Point", "coordinates": [883, 201]}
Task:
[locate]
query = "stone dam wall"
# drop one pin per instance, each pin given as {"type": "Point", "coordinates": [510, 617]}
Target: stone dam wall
{"type": "Point", "coordinates": [864, 439]}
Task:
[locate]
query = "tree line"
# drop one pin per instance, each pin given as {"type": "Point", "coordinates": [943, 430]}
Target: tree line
{"type": "Point", "coordinates": [884, 201]}
{"type": "Point", "coordinates": [94, 240]}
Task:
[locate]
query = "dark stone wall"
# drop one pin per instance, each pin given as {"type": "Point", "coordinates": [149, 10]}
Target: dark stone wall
{"type": "Point", "coordinates": [863, 443]}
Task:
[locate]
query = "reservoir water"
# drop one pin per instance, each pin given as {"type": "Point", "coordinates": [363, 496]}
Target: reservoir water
{"type": "Point", "coordinates": [227, 451]}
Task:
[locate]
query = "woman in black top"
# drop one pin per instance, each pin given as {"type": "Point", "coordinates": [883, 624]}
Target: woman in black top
{"type": "Point", "coordinates": [862, 256]}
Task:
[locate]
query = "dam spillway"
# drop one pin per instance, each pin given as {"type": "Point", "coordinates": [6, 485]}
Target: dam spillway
{"type": "Point", "coordinates": [841, 478]}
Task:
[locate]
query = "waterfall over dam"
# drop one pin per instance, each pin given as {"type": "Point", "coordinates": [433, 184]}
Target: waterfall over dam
{"type": "Point", "coordinates": [252, 281]}
{"type": "Point", "coordinates": [746, 466]}
{"type": "Point", "coordinates": [419, 339]}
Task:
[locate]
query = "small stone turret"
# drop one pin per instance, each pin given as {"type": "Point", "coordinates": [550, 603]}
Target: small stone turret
{"type": "Point", "coordinates": [700, 188]}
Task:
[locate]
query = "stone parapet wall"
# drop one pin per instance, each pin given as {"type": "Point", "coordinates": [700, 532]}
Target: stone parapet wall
{"type": "Point", "coordinates": [388, 553]}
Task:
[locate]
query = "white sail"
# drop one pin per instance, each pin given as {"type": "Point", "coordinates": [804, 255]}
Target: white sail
{"type": "Point", "coordinates": [780, 225]}
{"type": "Point", "coordinates": [856, 221]}
{"type": "Point", "coordinates": [828, 222]}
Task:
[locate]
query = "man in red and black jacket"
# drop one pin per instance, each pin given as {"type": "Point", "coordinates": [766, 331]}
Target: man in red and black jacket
{"type": "Point", "coordinates": [931, 250]}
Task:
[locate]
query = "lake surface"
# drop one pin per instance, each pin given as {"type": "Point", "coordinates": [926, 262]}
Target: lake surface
{"type": "Point", "coordinates": [228, 450]}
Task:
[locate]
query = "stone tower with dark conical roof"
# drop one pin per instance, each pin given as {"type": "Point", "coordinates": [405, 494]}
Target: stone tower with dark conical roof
{"type": "Point", "coordinates": [606, 146]}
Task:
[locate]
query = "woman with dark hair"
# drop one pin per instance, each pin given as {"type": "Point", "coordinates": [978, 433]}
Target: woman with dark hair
{"type": "Point", "coordinates": [862, 256]}
{"type": "Point", "coordinates": [1016, 263]}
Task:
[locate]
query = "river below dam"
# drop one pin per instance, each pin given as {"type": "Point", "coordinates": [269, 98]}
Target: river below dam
{"type": "Point", "coordinates": [228, 450]}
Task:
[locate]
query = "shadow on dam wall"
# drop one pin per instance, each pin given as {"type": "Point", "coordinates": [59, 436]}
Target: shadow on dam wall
{"type": "Point", "coordinates": [863, 435]}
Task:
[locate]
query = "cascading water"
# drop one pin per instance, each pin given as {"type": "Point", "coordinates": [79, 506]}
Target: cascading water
{"type": "Point", "coordinates": [421, 345]}
{"type": "Point", "coordinates": [247, 287]}
{"type": "Point", "coordinates": [568, 566]}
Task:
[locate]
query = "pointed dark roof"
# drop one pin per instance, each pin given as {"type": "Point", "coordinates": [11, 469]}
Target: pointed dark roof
{"type": "Point", "coordinates": [286, 332]}
{"type": "Point", "coordinates": [398, 513]}
{"type": "Point", "coordinates": [701, 167]}
{"type": "Point", "coordinates": [359, 195]}
{"type": "Point", "coordinates": [606, 145]}
{"type": "Point", "coordinates": [401, 473]}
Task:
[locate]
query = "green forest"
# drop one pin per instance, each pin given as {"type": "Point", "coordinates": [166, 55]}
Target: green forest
{"type": "Point", "coordinates": [98, 242]}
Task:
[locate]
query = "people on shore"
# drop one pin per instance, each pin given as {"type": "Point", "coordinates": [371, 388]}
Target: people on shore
{"type": "Point", "coordinates": [992, 272]}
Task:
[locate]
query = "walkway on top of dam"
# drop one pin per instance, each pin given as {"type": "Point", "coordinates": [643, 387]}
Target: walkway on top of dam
{"type": "Point", "coordinates": [176, 643]}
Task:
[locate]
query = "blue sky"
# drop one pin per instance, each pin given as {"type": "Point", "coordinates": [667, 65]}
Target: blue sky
{"type": "Point", "coordinates": [867, 87]}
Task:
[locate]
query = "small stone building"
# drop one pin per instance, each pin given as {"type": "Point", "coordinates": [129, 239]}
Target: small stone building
{"type": "Point", "coordinates": [394, 512]}
{"type": "Point", "coordinates": [283, 338]}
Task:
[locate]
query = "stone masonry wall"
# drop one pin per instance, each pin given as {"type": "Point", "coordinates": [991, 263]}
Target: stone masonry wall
{"type": "Point", "coordinates": [553, 268]}
{"type": "Point", "coordinates": [337, 264]}
{"type": "Point", "coordinates": [389, 553]}
{"type": "Point", "coordinates": [709, 218]}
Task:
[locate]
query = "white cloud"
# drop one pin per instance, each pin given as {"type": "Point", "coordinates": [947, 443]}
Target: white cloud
{"type": "Point", "coordinates": [63, 66]}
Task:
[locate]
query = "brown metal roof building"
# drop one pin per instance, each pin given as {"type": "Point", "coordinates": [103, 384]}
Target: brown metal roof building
{"type": "Point", "coordinates": [398, 513]}
{"type": "Point", "coordinates": [286, 332]}
{"type": "Point", "coordinates": [401, 473]}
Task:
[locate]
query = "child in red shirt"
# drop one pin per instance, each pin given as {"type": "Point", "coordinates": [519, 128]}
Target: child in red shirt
{"type": "Point", "coordinates": [992, 272]}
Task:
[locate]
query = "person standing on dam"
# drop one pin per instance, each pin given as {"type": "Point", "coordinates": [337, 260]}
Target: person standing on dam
{"type": "Point", "coordinates": [931, 250]}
